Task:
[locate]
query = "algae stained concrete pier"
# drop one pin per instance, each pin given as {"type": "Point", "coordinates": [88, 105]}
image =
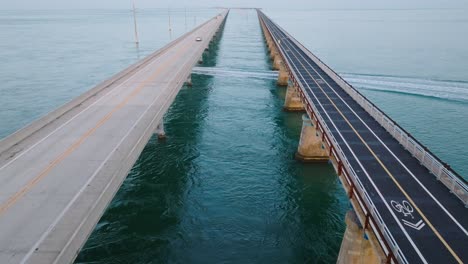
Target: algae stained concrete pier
{"type": "Point", "coordinates": [407, 205]}
{"type": "Point", "coordinates": [58, 174]}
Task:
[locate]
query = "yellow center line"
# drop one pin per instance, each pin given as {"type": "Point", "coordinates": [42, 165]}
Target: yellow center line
{"type": "Point", "coordinates": [387, 171]}
{"type": "Point", "coordinates": [13, 199]}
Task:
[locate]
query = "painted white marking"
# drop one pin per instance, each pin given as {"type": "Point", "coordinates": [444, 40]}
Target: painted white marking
{"type": "Point", "coordinates": [68, 206]}
{"type": "Point", "coordinates": [393, 154]}
{"type": "Point", "coordinates": [105, 96]}
{"type": "Point", "coordinates": [416, 226]}
{"type": "Point", "coordinates": [367, 175]}
{"type": "Point", "coordinates": [404, 207]}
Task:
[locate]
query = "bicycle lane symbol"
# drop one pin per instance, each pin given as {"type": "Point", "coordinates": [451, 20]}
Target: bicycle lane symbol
{"type": "Point", "coordinates": [407, 210]}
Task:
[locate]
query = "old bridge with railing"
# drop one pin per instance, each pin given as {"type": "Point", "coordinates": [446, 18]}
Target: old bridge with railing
{"type": "Point", "coordinates": [410, 204]}
{"type": "Point", "coordinates": [58, 174]}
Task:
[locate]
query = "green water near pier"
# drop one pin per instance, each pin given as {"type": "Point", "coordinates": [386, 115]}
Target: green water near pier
{"type": "Point", "coordinates": [224, 187]}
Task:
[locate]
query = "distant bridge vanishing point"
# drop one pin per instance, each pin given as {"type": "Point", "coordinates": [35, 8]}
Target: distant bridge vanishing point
{"type": "Point", "coordinates": [58, 174]}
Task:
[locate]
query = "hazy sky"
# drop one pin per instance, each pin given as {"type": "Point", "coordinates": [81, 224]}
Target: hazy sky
{"type": "Point", "coordinates": [85, 4]}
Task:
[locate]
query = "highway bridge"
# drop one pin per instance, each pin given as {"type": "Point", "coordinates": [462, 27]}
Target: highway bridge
{"type": "Point", "coordinates": [58, 174]}
{"type": "Point", "coordinates": [408, 203]}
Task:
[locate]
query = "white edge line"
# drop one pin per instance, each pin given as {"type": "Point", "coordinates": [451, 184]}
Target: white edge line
{"type": "Point", "coordinates": [391, 152]}
{"type": "Point", "coordinates": [59, 217]}
{"type": "Point", "coordinates": [104, 96]}
{"type": "Point", "coordinates": [372, 182]}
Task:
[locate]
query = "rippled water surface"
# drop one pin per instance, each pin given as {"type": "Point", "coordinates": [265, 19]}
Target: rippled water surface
{"type": "Point", "coordinates": [224, 187]}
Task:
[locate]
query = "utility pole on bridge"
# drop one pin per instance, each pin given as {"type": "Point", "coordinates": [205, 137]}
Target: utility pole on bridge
{"type": "Point", "coordinates": [135, 23]}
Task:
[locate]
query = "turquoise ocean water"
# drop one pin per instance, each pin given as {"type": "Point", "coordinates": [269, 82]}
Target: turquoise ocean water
{"type": "Point", "coordinates": [224, 187]}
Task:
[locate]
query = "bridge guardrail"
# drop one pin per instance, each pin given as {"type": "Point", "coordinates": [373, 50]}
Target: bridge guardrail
{"type": "Point", "coordinates": [13, 139]}
{"type": "Point", "coordinates": [441, 171]}
{"type": "Point", "coordinates": [454, 182]}
{"type": "Point", "coordinates": [127, 163]}
{"type": "Point", "coordinates": [364, 200]}
{"type": "Point", "coordinates": [379, 228]}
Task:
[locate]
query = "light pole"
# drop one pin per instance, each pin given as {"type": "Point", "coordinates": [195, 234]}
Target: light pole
{"type": "Point", "coordinates": [135, 23]}
{"type": "Point", "coordinates": [170, 26]}
{"type": "Point", "coordinates": [186, 19]}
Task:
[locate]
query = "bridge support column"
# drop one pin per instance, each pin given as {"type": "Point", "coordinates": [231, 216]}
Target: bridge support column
{"type": "Point", "coordinates": [273, 51]}
{"type": "Point", "coordinates": [270, 46]}
{"type": "Point", "coordinates": [283, 75]}
{"type": "Point", "coordinates": [293, 102]}
{"type": "Point", "coordinates": [268, 41]}
{"type": "Point", "coordinates": [189, 81]}
{"type": "Point", "coordinates": [310, 145]}
{"type": "Point", "coordinates": [355, 248]}
{"type": "Point", "coordinates": [200, 61]}
{"type": "Point", "coordinates": [276, 62]}
{"type": "Point", "coordinates": [160, 131]}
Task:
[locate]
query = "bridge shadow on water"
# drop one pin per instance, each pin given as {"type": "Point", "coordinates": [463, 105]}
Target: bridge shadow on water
{"type": "Point", "coordinates": [316, 201]}
{"type": "Point", "coordinates": [224, 186]}
{"type": "Point", "coordinates": [319, 202]}
{"type": "Point", "coordinates": [133, 228]}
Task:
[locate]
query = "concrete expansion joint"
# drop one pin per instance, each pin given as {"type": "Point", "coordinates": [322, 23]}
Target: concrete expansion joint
{"type": "Point", "coordinates": [354, 252]}
{"type": "Point", "coordinates": [293, 109]}
{"type": "Point", "coordinates": [310, 159]}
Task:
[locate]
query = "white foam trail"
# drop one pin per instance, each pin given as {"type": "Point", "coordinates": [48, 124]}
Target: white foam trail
{"type": "Point", "coordinates": [235, 73]}
{"type": "Point", "coordinates": [451, 90]}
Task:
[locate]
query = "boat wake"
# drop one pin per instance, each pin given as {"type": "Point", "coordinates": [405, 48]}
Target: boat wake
{"type": "Point", "coordinates": [448, 90]}
{"type": "Point", "coordinates": [235, 73]}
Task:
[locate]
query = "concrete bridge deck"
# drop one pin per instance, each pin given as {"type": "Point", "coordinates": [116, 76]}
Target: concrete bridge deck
{"type": "Point", "coordinates": [406, 195]}
{"type": "Point", "coordinates": [58, 174]}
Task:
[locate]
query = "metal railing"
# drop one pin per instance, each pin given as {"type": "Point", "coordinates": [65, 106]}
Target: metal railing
{"type": "Point", "coordinates": [13, 139]}
{"type": "Point", "coordinates": [379, 228]}
{"type": "Point", "coordinates": [442, 171]}
{"type": "Point", "coordinates": [373, 217]}
{"type": "Point", "coordinates": [454, 182]}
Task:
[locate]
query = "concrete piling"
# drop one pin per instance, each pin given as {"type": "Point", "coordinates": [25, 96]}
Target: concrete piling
{"type": "Point", "coordinates": [310, 144]}
{"type": "Point", "coordinates": [160, 131]}
{"type": "Point", "coordinates": [293, 102]}
{"type": "Point", "coordinates": [189, 81]}
{"type": "Point", "coordinates": [273, 52]}
{"type": "Point", "coordinates": [355, 247]}
{"type": "Point", "coordinates": [283, 75]}
{"type": "Point", "coordinates": [277, 62]}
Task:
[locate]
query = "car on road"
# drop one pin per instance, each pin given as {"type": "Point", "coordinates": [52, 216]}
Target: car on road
{"type": "Point", "coordinates": [198, 39]}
